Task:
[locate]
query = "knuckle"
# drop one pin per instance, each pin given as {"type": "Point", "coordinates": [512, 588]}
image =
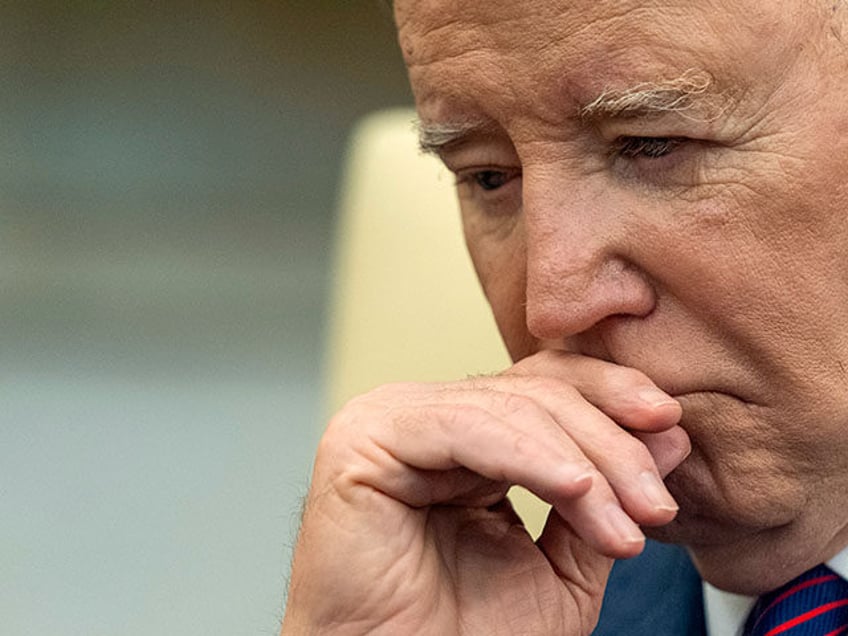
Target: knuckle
{"type": "Point", "coordinates": [352, 415]}
{"type": "Point", "coordinates": [517, 405]}
{"type": "Point", "coordinates": [524, 446]}
{"type": "Point", "coordinates": [337, 429]}
{"type": "Point", "coordinates": [333, 454]}
{"type": "Point", "coordinates": [635, 452]}
{"type": "Point", "coordinates": [374, 405]}
{"type": "Point", "coordinates": [463, 415]}
{"type": "Point", "coordinates": [344, 427]}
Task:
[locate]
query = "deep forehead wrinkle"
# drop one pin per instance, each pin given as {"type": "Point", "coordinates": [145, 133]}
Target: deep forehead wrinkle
{"type": "Point", "coordinates": [692, 92]}
{"type": "Point", "coordinates": [433, 137]}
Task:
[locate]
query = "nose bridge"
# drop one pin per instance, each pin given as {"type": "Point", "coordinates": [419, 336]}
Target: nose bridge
{"type": "Point", "coordinates": [578, 271]}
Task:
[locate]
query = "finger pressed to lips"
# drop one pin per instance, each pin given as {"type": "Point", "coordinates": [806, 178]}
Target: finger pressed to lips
{"type": "Point", "coordinates": [623, 459]}
{"type": "Point", "coordinates": [513, 430]}
{"type": "Point", "coordinates": [625, 395]}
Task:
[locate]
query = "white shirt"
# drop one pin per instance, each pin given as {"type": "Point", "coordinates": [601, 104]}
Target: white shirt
{"type": "Point", "coordinates": [726, 613]}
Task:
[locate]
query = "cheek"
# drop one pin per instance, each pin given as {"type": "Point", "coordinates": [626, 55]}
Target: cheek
{"type": "Point", "coordinates": [500, 262]}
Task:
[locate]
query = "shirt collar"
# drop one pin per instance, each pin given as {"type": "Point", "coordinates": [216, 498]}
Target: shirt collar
{"type": "Point", "coordinates": [726, 612]}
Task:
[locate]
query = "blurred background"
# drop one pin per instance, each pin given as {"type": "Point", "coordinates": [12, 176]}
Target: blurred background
{"type": "Point", "coordinates": [167, 193]}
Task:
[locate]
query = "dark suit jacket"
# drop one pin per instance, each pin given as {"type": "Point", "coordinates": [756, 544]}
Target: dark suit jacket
{"type": "Point", "coordinates": [658, 593]}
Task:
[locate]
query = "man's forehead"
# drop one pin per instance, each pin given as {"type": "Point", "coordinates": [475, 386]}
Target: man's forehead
{"type": "Point", "coordinates": [573, 51]}
{"type": "Point", "coordinates": [483, 24]}
{"type": "Point", "coordinates": [489, 11]}
{"type": "Point", "coordinates": [565, 17]}
{"type": "Point", "coordinates": [503, 31]}
{"type": "Point", "coordinates": [538, 24]}
{"type": "Point", "coordinates": [441, 12]}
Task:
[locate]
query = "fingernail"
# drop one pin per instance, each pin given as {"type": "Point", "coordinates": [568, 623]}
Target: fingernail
{"type": "Point", "coordinates": [656, 398]}
{"type": "Point", "coordinates": [656, 492]}
{"type": "Point", "coordinates": [623, 525]}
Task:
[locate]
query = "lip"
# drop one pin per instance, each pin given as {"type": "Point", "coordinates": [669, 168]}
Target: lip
{"type": "Point", "coordinates": [676, 377]}
{"type": "Point", "coordinates": [713, 393]}
{"type": "Point", "coordinates": [718, 377]}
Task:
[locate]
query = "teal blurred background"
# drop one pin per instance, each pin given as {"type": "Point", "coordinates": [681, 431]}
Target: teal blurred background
{"type": "Point", "coordinates": [167, 191]}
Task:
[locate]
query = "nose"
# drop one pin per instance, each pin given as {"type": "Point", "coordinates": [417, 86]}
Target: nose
{"type": "Point", "coordinates": [582, 246]}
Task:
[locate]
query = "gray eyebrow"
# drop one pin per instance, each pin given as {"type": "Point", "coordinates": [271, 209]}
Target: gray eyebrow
{"type": "Point", "coordinates": [694, 90]}
{"type": "Point", "coordinates": [434, 137]}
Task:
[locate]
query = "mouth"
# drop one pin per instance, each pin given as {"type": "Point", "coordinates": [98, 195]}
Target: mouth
{"type": "Point", "coordinates": [719, 486]}
{"type": "Point", "coordinates": [683, 393]}
{"type": "Point", "coordinates": [742, 399]}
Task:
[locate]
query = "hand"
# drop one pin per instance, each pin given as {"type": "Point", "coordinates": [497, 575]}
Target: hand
{"type": "Point", "coordinates": [407, 529]}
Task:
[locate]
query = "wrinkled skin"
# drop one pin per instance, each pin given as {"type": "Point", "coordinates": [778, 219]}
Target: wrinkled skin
{"type": "Point", "coordinates": [407, 530]}
{"type": "Point", "coordinates": [702, 252]}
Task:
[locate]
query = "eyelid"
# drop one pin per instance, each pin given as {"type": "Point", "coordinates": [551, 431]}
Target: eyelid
{"type": "Point", "coordinates": [668, 126]}
{"type": "Point", "coordinates": [639, 147]}
{"type": "Point", "coordinates": [488, 153]}
{"type": "Point", "coordinates": [682, 167]}
{"type": "Point", "coordinates": [470, 175]}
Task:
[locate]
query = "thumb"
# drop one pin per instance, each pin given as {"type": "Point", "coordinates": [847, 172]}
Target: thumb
{"type": "Point", "coordinates": [582, 571]}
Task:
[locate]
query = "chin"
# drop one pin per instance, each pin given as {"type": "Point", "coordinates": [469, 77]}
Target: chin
{"type": "Point", "coordinates": [731, 560]}
{"type": "Point", "coordinates": [754, 566]}
{"type": "Point", "coordinates": [745, 560]}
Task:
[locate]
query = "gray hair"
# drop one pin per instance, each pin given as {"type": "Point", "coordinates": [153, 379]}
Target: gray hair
{"type": "Point", "coordinates": [651, 98]}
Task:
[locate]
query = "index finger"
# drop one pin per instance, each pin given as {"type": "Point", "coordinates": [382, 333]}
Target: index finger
{"type": "Point", "coordinates": [625, 395]}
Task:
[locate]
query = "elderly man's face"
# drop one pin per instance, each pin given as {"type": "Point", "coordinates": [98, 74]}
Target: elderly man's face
{"type": "Point", "coordinates": [665, 185]}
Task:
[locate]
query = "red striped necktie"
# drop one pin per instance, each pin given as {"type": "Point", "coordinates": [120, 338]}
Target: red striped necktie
{"type": "Point", "coordinates": [814, 604]}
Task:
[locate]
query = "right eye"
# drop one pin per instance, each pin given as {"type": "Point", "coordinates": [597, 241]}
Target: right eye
{"type": "Point", "coordinates": [488, 180]}
{"type": "Point", "coordinates": [490, 193]}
